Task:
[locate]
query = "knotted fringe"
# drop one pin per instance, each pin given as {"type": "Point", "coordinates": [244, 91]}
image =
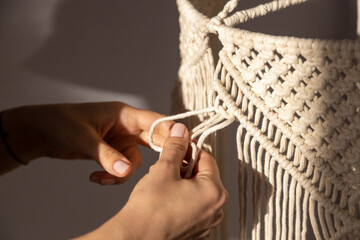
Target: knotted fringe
{"type": "Point", "coordinates": [293, 173]}
{"type": "Point", "coordinates": [281, 212]}
{"type": "Point", "coordinates": [276, 179]}
{"type": "Point", "coordinates": [266, 211]}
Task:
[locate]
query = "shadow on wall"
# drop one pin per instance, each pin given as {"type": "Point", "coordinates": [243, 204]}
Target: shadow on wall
{"type": "Point", "coordinates": [113, 46]}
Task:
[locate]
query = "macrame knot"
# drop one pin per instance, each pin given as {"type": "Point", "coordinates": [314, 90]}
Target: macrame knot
{"type": "Point", "coordinates": [213, 24]}
{"type": "Point", "coordinates": [214, 123]}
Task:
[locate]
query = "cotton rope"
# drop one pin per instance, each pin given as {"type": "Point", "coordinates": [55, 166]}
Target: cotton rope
{"type": "Point", "coordinates": [205, 131]}
{"type": "Point", "coordinates": [297, 103]}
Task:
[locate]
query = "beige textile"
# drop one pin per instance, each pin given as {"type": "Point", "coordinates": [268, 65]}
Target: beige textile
{"type": "Point", "coordinates": [297, 103]}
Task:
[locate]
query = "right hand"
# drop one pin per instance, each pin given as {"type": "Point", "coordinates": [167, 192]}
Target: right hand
{"type": "Point", "coordinates": [163, 205]}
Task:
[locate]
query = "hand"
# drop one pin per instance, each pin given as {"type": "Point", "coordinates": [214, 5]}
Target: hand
{"type": "Point", "coordinates": [106, 132]}
{"type": "Point", "coordinates": [163, 205]}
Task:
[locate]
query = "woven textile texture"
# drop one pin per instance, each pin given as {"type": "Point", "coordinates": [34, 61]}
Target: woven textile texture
{"type": "Point", "coordinates": [297, 104]}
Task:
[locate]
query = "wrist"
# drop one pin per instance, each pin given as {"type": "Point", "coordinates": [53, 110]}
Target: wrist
{"type": "Point", "coordinates": [136, 223]}
{"type": "Point", "coordinates": [109, 231]}
{"type": "Point", "coordinates": [5, 144]}
{"type": "Point", "coordinates": [129, 224]}
{"type": "Point", "coordinates": [21, 137]}
{"type": "Point", "coordinates": [119, 227]}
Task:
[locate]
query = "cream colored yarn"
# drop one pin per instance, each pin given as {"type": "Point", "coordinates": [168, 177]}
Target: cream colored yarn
{"type": "Point", "coordinates": [297, 102]}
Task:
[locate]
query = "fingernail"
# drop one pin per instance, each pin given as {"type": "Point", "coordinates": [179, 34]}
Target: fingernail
{"type": "Point", "coordinates": [178, 130]}
{"type": "Point", "coordinates": [95, 179]}
{"type": "Point", "coordinates": [121, 166]}
{"type": "Point", "coordinates": [107, 181]}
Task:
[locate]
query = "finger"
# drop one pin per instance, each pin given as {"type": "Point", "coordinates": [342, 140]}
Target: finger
{"type": "Point", "coordinates": [157, 137]}
{"type": "Point", "coordinates": [206, 165]}
{"type": "Point", "coordinates": [204, 235]}
{"type": "Point", "coordinates": [218, 218]}
{"type": "Point", "coordinates": [148, 118]}
{"type": "Point", "coordinates": [141, 120]}
{"type": "Point", "coordinates": [130, 150]}
{"type": "Point", "coordinates": [108, 157]}
{"type": "Point", "coordinates": [174, 151]}
{"type": "Point", "coordinates": [132, 153]}
{"type": "Point", "coordinates": [113, 161]}
{"type": "Point", "coordinates": [105, 178]}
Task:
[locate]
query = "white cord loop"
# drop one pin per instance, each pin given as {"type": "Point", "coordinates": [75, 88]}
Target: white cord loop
{"type": "Point", "coordinates": [213, 124]}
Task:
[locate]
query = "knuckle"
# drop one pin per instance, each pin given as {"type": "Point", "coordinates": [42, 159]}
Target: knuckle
{"type": "Point", "coordinates": [205, 234]}
{"type": "Point", "coordinates": [218, 196]}
{"type": "Point", "coordinates": [165, 164]}
{"type": "Point", "coordinates": [139, 162]}
{"type": "Point", "coordinates": [136, 163]}
{"type": "Point", "coordinates": [175, 145]}
{"type": "Point", "coordinates": [107, 153]}
{"type": "Point", "coordinates": [226, 195]}
{"type": "Point", "coordinates": [219, 219]}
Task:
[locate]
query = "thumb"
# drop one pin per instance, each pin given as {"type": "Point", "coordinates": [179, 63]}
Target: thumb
{"type": "Point", "coordinates": [113, 161]}
{"type": "Point", "coordinates": [108, 157]}
{"type": "Point", "coordinates": [173, 152]}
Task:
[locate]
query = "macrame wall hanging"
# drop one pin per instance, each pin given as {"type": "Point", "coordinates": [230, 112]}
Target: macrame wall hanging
{"type": "Point", "coordinates": [296, 102]}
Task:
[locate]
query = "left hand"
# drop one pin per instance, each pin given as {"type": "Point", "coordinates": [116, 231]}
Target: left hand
{"type": "Point", "coordinates": [107, 132]}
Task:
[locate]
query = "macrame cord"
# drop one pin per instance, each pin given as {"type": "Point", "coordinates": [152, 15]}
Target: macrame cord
{"type": "Point", "coordinates": [203, 130]}
{"type": "Point", "coordinates": [297, 102]}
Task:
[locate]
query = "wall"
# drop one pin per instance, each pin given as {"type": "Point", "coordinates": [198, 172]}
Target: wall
{"type": "Point", "coordinates": [55, 51]}
{"type": "Point", "coordinates": [77, 51]}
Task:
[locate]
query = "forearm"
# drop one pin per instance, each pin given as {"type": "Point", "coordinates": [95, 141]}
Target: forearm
{"type": "Point", "coordinates": [104, 232]}
{"type": "Point", "coordinates": [113, 229]}
{"type": "Point", "coordinates": [130, 223]}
